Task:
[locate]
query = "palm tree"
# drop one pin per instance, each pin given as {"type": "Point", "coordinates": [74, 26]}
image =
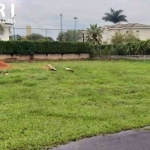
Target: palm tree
{"type": "Point", "coordinates": [1, 29]}
{"type": "Point", "coordinates": [115, 16]}
{"type": "Point", "coordinates": [94, 34]}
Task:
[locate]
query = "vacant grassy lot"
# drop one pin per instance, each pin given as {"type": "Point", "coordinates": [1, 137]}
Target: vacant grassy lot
{"type": "Point", "coordinates": [40, 108]}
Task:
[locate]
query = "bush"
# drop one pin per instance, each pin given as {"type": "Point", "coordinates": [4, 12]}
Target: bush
{"type": "Point", "coordinates": [121, 38]}
{"type": "Point", "coordinates": [134, 48]}
{"type": "Point", "coordinates": [46, 47]}
{"type": "Point", "coordinates": [42, 47]}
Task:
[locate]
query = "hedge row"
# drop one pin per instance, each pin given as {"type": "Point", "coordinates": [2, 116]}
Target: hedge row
{"type": "Point", "coordinates": [31, 48]}
{"type": "Point", "coordinates": [46, 47]}
{"type": "Point", "coordinates": [136, 48]}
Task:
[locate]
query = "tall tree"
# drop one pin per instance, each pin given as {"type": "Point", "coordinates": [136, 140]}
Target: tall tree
{"type": "Point", "coordinates": [115, 16]}
{"type": "Point", "coordinates": [94, 34]}
{"type": "Point", "coordinates": [69, 36]}
{"type": "Point", "coordinates": [1, 29]}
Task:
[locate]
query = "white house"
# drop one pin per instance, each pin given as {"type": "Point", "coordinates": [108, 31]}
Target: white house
{"type": "Point", "coordinates": [142, 31]}
{"type": "Point", "coordinates": [6, 30]}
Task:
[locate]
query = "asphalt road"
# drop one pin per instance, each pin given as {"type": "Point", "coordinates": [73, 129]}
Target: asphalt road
{"type": "Point", "coordinates": [128, 140]}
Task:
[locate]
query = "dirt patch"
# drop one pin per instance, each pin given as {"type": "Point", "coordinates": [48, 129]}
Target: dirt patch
{"type": "Point", "coordinates": [3, 65]}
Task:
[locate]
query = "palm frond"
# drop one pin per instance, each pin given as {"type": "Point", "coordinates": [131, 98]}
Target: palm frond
{"type": "Point", "coordinates": [122, 18]}
{"type": "Point", "coordinates": [94, 34]}
{"type": "Point", "coordinates": [114, 16]}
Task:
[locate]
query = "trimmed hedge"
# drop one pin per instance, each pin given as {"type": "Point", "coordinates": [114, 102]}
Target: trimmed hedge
{"type": "Point", "coordinates": [44, 47]}
{"type": "Point", "coordinates": [136, 48]}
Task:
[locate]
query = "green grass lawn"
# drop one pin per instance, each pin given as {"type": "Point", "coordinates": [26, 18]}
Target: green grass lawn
{"type": "Point", "coordinates": [41, 109]}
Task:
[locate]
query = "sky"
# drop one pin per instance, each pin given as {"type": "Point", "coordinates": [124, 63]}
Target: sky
{"type": "Point", "coordinates": [46, 13]}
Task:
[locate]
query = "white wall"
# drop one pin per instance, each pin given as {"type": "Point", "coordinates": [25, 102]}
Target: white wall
{"type": "Point", "coordinates": [143, 34]}
{"type": "Point", "coordinates": [5, 35]}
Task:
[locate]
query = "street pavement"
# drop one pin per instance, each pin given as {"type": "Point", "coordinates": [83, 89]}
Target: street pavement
{"type": "Point", "coordinates": [127, 140]}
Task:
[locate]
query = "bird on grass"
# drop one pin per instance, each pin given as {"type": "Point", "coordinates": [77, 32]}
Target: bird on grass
{"type": "Point", "coordinates": [51, 68]}
{"type": "Point", "coordinates": [69, 69]}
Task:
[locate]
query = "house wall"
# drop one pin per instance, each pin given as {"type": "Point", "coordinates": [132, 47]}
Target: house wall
{"type": "Point", "coordinates": [105, 36]}
{"type": "Point", "coordinates": [143, 34]}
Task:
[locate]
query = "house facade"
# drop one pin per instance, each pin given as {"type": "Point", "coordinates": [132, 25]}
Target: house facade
{"type": "Point", "coordinates": [141, 31]}
{"type": "Point", "coordinates": [6, 30]}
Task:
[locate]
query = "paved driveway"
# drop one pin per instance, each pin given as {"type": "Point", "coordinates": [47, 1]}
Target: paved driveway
{"type": "Point", "coordinates": [128, 140]}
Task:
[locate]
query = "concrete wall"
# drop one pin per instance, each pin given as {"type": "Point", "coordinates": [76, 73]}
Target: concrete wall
{"type": "Point", "coordinates": [47, 57]}
{"type": "Point", "coordinates": [72, 57]}
{"type": "Point", "coordinates": [129, 57]}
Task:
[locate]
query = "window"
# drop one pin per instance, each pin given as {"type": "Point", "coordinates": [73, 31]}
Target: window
{"type": "Point", "coordinates": [137, 32]}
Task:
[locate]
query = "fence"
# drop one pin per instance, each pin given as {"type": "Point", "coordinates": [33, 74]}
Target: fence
{"type": "Point", "coordinates": [46, 32]}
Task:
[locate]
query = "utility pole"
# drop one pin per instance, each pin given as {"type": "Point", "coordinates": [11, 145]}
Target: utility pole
{"type": "Point", "coordinates": [14, 28]}
{"type": "Point", "coordinates": [61, 22]}
{"type": "Point", "coordinates": [61, 26]}
{"type": "Point", "coordinates": [75, 37]}
{"type": "Point", "coordinates": [46, 32]}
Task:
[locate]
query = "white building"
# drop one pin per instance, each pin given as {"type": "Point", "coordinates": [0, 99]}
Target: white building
{"type": "Point", "coordinates": [6, 30]}
{"type": "Point", "coordinates": [142, 31]}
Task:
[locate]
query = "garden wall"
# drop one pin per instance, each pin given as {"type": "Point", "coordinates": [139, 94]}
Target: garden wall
{"type": "Point", "coordinates": [83, 56]}
{"type": "Point", "coordinates": [129, 57]}
{"type": "Point", "coordinates": [46, 57]}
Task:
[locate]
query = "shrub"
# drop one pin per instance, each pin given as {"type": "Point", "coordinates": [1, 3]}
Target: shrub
{"type": "Point", "coordinates": [46, 47]}
{"type": "Point", "coordinates": [122, 38]}
{"type": "Point", "coordinates": [132, 48]}
{"type": "Point", "coordinates": [42, 47]}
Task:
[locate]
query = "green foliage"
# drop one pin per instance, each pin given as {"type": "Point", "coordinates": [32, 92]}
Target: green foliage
{"type": "Point", "coordinates": [139, 48]}
{"type": "Point", "coordinates": [42, 47]}
{"type": "Point", "coordinates": [16, 37]}
{"type": "Point", "coordinates": [114, 16]}
{"type": "Point", "coordinates": [70, 36]}
{"type": "Point", "coordinates": [46, 47]}
{"type": "Point", "coordinates": [34, 37]}
{"type": "Point", "coordinates": [134, 48]}
{"type": "Point", "coordinates": [131, 37]}
{"type": "Point", "coordinates": [118, 38]}
{"type": "Point", "coordinates": [37, 37]}
{"type": "Point", "coordinates": [94, 34]}
{"type": "Point", "coordinates": [121, 38]}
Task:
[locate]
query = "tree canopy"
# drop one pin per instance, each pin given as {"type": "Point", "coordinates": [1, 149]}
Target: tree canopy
{"type": "Point", "coordinates": [115, 16]}
{"type": "Point", "coordinates": [38, 37]}
{"type": "Point", "coordinates": [69, 36]}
